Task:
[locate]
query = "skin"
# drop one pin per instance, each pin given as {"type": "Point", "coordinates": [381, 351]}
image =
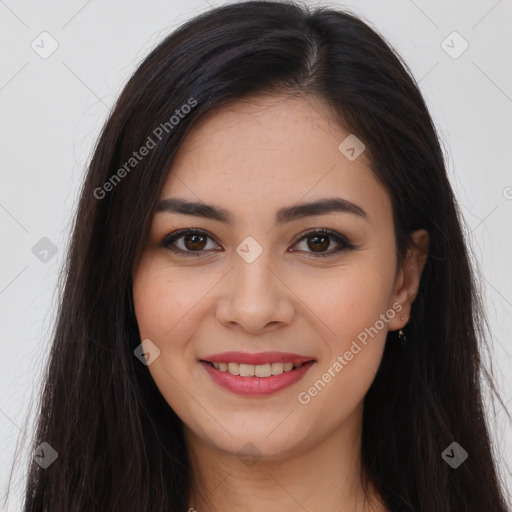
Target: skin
{"type": "Point", "coordinates": [252, 158]}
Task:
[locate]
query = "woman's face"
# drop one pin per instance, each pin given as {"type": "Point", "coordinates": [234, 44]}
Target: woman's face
{"type": "Point", "coordinates": [263, 277]}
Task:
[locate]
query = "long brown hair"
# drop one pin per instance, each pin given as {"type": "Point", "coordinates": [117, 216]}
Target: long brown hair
{"type": "Point", "coordinates": [120, 445]}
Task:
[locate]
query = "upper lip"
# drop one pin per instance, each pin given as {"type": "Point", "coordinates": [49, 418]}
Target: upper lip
{"type": "Point", "coordinates": [259, 358]}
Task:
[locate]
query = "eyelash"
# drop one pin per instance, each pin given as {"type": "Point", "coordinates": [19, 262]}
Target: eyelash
{"type": "Point", "coordinates": [339, 239]}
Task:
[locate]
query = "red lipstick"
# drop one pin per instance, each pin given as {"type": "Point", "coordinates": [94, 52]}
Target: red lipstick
{"type": "Point", "coordinates": [256, 386]}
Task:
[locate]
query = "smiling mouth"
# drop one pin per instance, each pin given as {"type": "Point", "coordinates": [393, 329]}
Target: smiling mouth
{"type": "Point", "coordinates": [255, 370]}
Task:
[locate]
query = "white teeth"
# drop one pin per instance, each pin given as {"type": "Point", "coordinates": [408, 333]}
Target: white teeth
{"type": "Point", "coordinates": [258, 370]}
{"type": "Point", "coordinates": [247, 370]}
{"type": "Point", "coordinates": [277, 368]}
{"type": "Point", "coordinates": [233, 368]}
{"type": "Point", "coordinates": [263, 370]}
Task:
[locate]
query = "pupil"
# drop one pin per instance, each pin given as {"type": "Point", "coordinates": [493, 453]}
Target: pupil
{"type": "Point", "coordinates": [195, 243]}
{"type": "Point", "coordinates": [322, 246]}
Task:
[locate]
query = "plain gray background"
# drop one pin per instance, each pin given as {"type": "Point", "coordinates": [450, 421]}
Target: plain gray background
{"type": "Point", "coordinates": [51, 111]}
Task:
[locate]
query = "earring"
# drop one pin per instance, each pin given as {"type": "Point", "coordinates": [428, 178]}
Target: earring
{"type": "Point", "coordinates": [401, 336]}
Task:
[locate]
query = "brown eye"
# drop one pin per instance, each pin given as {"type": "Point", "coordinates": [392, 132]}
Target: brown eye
{"type": "Point", "coordinates": [320, 240]}
{"type": "Point", "coordinates": [320, 243]}
{"type": "Point", "coordinates": [188, 242]}
{"type": "Point", "coordinates": [194, 242]}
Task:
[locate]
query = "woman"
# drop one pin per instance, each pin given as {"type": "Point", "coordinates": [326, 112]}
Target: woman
{"type": "Point", "coordinates": [268, 301]}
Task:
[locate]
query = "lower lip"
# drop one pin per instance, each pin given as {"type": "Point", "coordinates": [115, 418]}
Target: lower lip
{"type": "Point", "coordinates": [256, 386]}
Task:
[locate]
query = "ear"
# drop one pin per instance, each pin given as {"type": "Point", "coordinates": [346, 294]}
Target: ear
{"type": "Point", "coordinates": [408, 278]}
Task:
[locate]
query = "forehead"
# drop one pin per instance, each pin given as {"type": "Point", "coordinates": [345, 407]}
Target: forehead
{"type": "Point", "coordinates": [270, 151]}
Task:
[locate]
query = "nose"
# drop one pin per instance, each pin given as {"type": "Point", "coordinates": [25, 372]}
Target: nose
{"type": "Point", "coordinates": [255, 298]}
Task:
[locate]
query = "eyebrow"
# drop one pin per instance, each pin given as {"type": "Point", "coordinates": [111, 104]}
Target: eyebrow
{"type": "Point", "coordinates": [284, 215]}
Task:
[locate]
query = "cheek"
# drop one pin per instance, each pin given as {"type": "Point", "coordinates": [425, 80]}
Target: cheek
{"type": "Point", "coordinates": [163, 306]}
{"type": "Point", "coordinates": [347, 302]}
{"type": "Point", "coordinates": [352, 356]}
{"type": "Point", "coordinates": [163, 301]}
{"type": "Point", "coordinates": [151, 301]}
{"type": "Point", "coordinates": [354, 305]}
